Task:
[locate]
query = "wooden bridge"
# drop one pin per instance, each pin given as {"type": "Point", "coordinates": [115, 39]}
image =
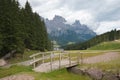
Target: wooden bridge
{"type": "Point", "coordinates": [49, 61]}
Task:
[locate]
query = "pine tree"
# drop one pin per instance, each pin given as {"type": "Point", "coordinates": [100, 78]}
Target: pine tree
{"type": "Point", "coordinates": [21, 28]}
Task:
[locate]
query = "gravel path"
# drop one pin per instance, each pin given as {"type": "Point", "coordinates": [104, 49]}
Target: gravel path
{"type": "Point", "coordinates": [19, 77]}
{"type": "Point", "coordinates": [102, 58]}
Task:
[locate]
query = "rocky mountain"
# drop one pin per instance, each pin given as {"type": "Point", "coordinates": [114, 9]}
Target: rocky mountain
{"type": "Point", "coordinates": [64, 33]}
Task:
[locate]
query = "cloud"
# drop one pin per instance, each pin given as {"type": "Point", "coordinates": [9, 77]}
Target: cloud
{"type": "Point", "coordinates": [96, 14]}
{"type": "Point", "coordinates": [108, 26]}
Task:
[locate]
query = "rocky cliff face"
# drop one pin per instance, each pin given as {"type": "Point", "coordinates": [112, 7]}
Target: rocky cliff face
{"type": "Point", "coordinates": [64, 33]}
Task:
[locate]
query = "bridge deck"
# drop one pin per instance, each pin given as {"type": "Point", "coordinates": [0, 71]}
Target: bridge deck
{"type": "Point", "coordinates": [46, 67]}
{"type": "Point", "coordinates": [54, 61]}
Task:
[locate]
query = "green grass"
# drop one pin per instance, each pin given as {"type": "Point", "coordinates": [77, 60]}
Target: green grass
{"type": "Point", "coordinates": [62, 74]}
{"type": "Point", "coordinates": [113, 45]}
{"type": "Point", "coordinates": [59, 75]}
{"type": "Point", "coordinates": [55, 75]}
{"type": "Point", "coordinates": [13, 70]}
{"type": "Point", "coordinates": [87, 53]}
{"type": "Point", "coordinates": [113, 65]}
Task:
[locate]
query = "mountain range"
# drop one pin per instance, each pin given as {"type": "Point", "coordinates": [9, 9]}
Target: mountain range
{"type": "Point", "coordinates": [62, 32]}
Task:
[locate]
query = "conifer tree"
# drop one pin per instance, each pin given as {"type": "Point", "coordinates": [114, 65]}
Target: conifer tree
{"type": "Point", "coordinates": [21, 28]}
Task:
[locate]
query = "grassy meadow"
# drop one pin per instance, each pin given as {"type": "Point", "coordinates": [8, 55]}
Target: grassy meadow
{"type": "Point", "coordinates": [62, 74]}
{"type": "Point", "coordinates": [113, 45]}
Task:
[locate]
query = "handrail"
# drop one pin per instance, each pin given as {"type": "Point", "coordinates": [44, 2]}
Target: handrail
{"type": "Point", "coordinates": [59, 55]}
{"type": "Point", "coordinates": [39, 54]}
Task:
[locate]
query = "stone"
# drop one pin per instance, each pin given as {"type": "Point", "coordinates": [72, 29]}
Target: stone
{"type": "Point", "coordinates": [76, 70]}
{"type": "Point", "coordinates": [110, 76]}
{"type": "Point", "coordinates": [95, 74]}
{"type": "Point", "coordinates": [2, 62]}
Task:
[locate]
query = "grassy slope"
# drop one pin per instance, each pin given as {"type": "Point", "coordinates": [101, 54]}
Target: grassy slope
{"type": "Point", "coordinates": [59, 74]}
{"type": "Point", "coordinates": [55, 75]}
{"type": "Point", "coordinates": [113, 45]}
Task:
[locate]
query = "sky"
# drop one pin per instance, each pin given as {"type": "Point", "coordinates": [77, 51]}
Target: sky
{"type": "Point", "coordinates": [99, 15]}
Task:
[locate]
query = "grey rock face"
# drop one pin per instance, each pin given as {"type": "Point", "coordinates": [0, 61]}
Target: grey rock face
{"type": "Point", "coordinates": [58, 28]}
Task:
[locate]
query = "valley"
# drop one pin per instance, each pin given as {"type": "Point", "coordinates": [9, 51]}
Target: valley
{"type": "Point", "coordinates": [59, 40]}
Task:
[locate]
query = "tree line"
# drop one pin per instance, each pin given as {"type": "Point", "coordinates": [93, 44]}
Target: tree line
{"type": "Point", "coordinates": [21, 28]}
{"type": "Point", "coordinates": [109, 36]}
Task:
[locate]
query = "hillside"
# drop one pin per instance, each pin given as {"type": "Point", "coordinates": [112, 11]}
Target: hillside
{"type": "Point", "coordinates": [112, 45]}
{"type": "Point", "coordinates": [106, 37]}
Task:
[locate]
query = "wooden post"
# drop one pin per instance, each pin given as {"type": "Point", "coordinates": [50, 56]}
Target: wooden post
{"type": "Point", "coordinates": [53, 57]}
{"type": "Point", "coordinates": [34, 62]}
{"type": "Point", "coordinates": [69, 60]}
{"type": "Point", "coordinates": [81, 58]}
{"type": "Point", "coordinates": [43, 58]}
{"type": "Point", "coordinates": [78, 58]}
{"type": "Point", "coordinates": [51, 61]}
{"type": "Point", "coordinates": [59, 60]}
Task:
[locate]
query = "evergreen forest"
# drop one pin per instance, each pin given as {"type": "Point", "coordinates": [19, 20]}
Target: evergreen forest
{"type": "Point", "coordinates": [21, 28]}
{"type": "Point", "coordinates": [109, 36]}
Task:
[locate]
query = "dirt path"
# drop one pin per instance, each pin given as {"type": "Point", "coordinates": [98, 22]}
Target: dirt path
{"type": "Point", "coordinates": [19, 77]}
{"type": "Point", "coordinates": [102, 58]}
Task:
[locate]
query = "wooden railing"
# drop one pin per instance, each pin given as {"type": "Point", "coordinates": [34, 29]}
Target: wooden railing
{"type": "Point", "coordinates": [50, 57]}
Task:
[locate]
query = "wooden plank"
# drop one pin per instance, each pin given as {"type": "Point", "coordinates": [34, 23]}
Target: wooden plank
{"type": "Point", "coordinates": [38, 59]}
{"type": "Point", "coordinates": [36, 54]}
{"type": "Point", "coordinates": [40, 53]}
{"type": "Point", "coordinates": [60, 62]}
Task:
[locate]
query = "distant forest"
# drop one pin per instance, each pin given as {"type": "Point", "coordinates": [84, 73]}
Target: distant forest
{"type": "Point", "coordinates": [21, 28]}
{"type": "Point", "coordinates": [109, 36]}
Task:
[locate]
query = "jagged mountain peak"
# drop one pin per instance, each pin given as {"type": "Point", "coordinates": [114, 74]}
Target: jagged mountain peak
{"type": "Point", "coordinates": [59, 19]}
{"type": "Point", "coordinates": [64, 33]}
{"type": "Point", "coordinates": [77, 22]}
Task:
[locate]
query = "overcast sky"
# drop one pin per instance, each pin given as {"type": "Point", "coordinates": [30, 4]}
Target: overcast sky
{"type": "Point", "coordinates": [99, 15]}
